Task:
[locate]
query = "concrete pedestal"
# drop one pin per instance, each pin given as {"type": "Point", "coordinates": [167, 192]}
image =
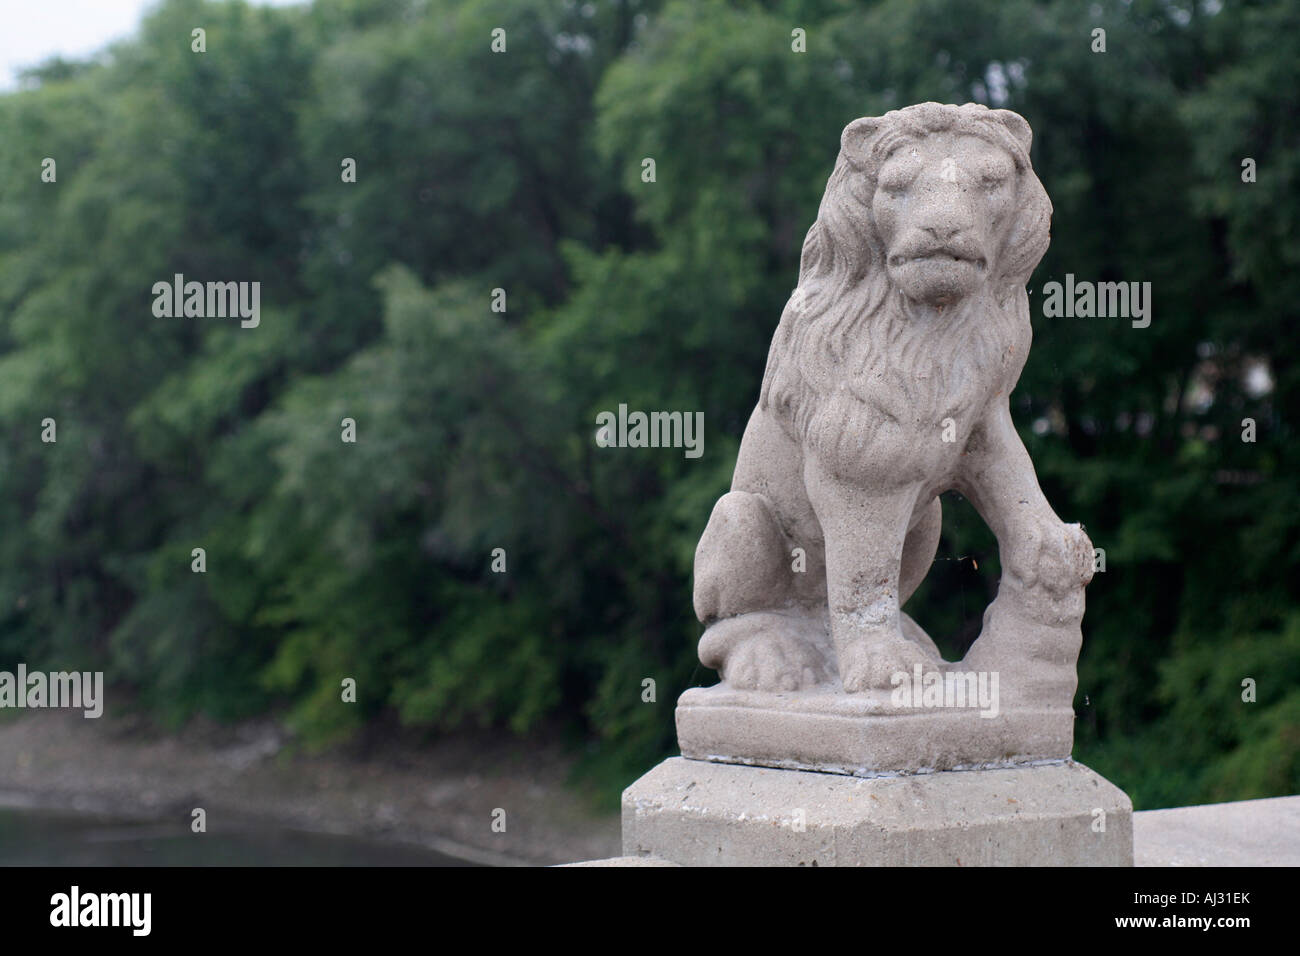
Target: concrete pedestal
{"type": "Point", "coordinates": [697, 813]}
{"type": "Point", "coordinates": [863, 734]}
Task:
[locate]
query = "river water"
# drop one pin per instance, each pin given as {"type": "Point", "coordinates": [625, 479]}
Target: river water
{"type": "Point", "coordinates": [42, 838]}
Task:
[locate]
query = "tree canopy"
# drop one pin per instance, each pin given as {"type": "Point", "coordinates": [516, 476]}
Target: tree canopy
{"type": "Point", "coordinates": [522, 170]}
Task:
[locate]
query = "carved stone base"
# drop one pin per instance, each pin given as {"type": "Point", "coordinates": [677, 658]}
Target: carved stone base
{"type": "Point", "coordinates": [863, 734]}
{"type": "Point", "coordinates": [705, 814]}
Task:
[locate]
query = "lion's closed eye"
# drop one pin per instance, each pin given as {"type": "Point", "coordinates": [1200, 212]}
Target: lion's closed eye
{"type": "Point", "coordinates": [896, 177]}
{"type": "Point", "coordinates": [993, 174]}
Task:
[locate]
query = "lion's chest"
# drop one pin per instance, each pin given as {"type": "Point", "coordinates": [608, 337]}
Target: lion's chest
{"type": "Point", "coordinates": [883, 431]}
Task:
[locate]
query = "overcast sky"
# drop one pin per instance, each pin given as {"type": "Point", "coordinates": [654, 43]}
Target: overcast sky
{"type": "Point", "coordinates": [35, 30]}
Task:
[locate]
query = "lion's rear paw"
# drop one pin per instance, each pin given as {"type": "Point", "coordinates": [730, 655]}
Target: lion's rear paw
{"type": "Point", "coordinates": [764, 663]}
{"type": "Point", "coordinates": [767, 651]}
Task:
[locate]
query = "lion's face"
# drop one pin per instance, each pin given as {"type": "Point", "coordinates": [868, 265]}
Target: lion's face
{"type": "Point", "coordinates": [930, 205]}
{"type": "Point", "coordinates": [943, 206]}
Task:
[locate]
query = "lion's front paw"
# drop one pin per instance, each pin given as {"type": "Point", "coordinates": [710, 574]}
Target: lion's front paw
{"type": "Point", "coordinates": [868, 663]}
{"type": "Point", "coordinates": [1052, 554]}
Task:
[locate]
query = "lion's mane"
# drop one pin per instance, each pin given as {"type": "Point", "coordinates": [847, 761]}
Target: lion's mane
{"type": "Point", "coordinates": [846, 319]}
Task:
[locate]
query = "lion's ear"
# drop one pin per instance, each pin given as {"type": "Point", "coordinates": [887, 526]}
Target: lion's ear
{"type": "Point", "coordinates": [1016, 124]}
{"type": "Point", "coordinates": [856, 135]}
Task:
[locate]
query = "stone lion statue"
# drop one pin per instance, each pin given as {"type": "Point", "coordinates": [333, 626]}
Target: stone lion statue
{"type": "Point", "coordinates": [887, 384]}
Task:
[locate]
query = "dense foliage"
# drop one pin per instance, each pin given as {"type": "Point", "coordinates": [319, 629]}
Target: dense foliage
{"type": "Point", "coordinates": [522, 171]}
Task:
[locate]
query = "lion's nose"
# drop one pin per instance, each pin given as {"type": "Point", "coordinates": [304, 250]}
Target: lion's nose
{"type": "Point", "coordinates": [943, 231]}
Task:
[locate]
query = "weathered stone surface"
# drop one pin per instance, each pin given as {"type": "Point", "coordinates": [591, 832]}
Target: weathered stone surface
{"type": "Point", "coordinates": [1242, 833]}
{"type": "Point", "coordinates": [861, 734]}
{"type": "Point", "coordinates": [623, 861]}
{"type": "Point", "coordinates": [888, 383]}
{"type": "Point", "coordinates": [702, 814]}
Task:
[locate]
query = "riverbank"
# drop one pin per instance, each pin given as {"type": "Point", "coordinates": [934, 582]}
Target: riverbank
{"type": "Point", "coordinates": [442, 795]}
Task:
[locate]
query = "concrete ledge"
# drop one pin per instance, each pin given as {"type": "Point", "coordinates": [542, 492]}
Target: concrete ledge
{"type": "Point", "coordinates": [1244, 833]}
{"type": "Point", "coordinates": [624, 861]}
{"type": "Point", "coordinates": [708, 814]}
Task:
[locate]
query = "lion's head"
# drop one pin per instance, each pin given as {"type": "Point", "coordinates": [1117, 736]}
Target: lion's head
{"type": "Point", "coordinates": [931, 224]}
